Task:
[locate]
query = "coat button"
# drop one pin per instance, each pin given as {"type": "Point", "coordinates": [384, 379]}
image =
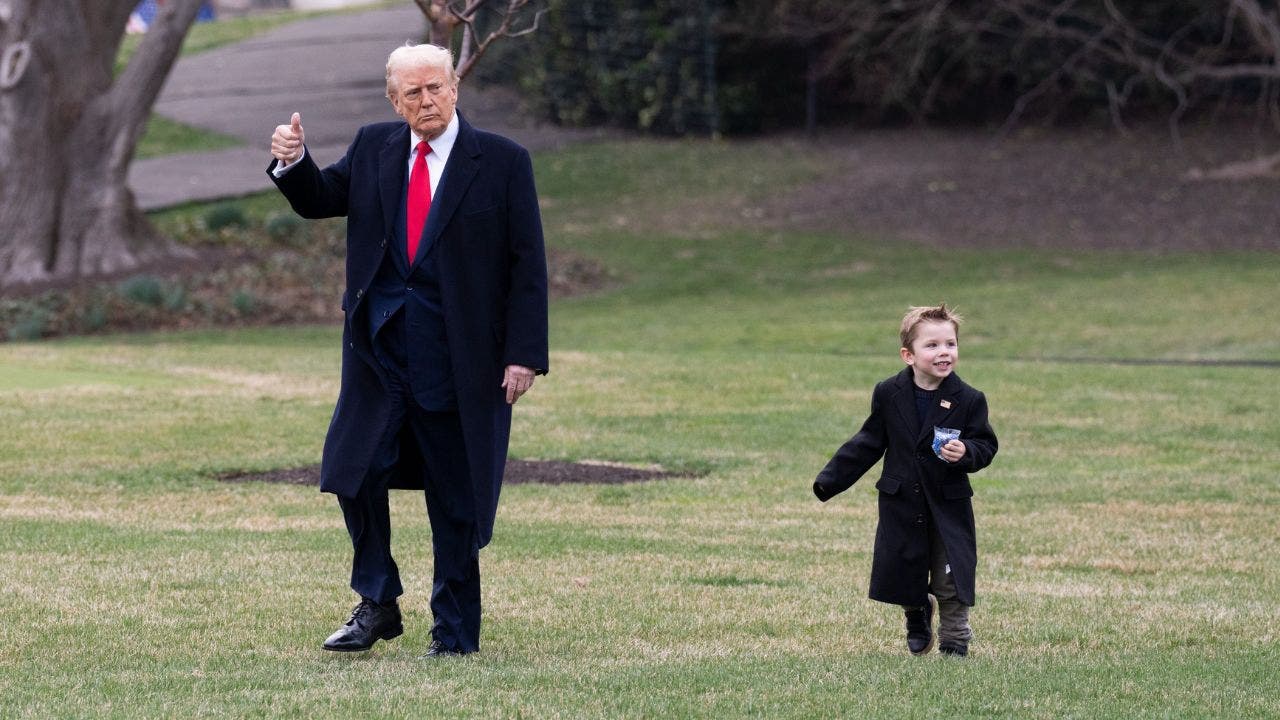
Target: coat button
{"type": "Point", "coordinates": [386, 313]}
{"type": "Point", "coordinates": [916, 488]}
{"type": "Point", "coordinates": [384, 242]}
{"type": "Point", "coordinates": [359, 294]}
{"type": "Point", "coordinates": [351, 345]}
{"type": "Point", "coordinates": [920, 519]}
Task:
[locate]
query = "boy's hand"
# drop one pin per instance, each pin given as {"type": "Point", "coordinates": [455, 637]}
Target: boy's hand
{"type": "Point", "coordinates": [952, 451]}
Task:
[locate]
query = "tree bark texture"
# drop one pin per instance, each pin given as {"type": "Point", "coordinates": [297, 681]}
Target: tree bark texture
{"type": "Point", "coordinates": [440, 20]}
{"type": "Point", "coordinates": [68, 131]}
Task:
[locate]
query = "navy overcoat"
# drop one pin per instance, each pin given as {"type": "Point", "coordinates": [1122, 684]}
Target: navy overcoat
{"type": "Point", "coordinates": [487, 232]}
{"type": "Point", "coordinates": [916, 484]}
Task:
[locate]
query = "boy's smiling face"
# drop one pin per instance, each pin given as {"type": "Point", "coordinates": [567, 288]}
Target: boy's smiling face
{"type": "Point", "coordinates": [933, 353]}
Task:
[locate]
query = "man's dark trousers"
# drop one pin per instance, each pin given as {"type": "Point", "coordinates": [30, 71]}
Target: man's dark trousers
{"type": "Point", "coordinates": [455, 594]}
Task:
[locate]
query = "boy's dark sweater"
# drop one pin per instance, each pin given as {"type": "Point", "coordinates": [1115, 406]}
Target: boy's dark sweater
{"type": "Point", "coordinates": [924, 401]}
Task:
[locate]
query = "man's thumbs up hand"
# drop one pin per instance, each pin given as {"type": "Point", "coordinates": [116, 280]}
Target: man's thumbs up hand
{"type": "Point", "coordinates": [287, 140]}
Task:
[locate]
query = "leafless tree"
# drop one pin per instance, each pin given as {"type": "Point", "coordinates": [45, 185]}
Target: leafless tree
{"type": "Point", "coordinates": [482, 21]}
{"type": "Point", "coordinates": [886, 45]}
{"type": "Point", "coordinates": [1233, 42]}
{"type": "Point", "coordinates": [68, 131]}
{"type": "Point", "coordinates": [913, 52]}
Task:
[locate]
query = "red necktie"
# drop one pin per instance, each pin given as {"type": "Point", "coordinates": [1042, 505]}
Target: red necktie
{"type": "Point", "coordinates": [419, 201]}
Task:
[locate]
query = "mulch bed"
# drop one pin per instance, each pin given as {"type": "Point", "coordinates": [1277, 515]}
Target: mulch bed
{"type": "Point", "coordinates": [217, 286]}
{"type": "Point", "coordinates": [546, 472]}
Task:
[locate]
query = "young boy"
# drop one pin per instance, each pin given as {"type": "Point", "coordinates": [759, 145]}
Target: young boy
{"type": "Point", "coordinates": [925, 538]}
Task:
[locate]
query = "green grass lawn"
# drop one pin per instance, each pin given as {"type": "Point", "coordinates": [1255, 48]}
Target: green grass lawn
{"type": "Point", "coordinates": [1129, 545]}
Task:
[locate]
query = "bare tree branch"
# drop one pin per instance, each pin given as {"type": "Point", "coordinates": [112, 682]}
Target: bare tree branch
{"type": "Point", "coordinates": [473, 46]}
{"type": "Point", "coordinates": [1264, 27]}
{"type": "Point", "coordinates": [919, 55]}
{"type": "Point", "coordinates": [444, 16]}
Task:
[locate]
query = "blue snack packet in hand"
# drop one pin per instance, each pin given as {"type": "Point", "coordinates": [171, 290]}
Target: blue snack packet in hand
{"type": "Point", "coordinates": [942, 436]}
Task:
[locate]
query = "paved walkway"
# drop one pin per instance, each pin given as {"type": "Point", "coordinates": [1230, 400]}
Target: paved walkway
{"type": "Point", "coordinates": [328, 68]}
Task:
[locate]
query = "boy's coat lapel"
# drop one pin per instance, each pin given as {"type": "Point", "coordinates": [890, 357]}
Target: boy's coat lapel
{"type": "Point", "coordinates": [905, 398]}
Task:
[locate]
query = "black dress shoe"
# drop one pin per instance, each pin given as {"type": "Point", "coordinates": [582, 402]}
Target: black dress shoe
{"type": "Point", "coordinates": [369, 623]}
{"type": "Point", "coordinates": [953, 648]}
{"type": "Point", "coordinates": [437, 649]}
{"type": "Point", "coordinates": [920, 628]}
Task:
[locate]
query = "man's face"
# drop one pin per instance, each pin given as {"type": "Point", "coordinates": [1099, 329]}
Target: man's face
{"type": "Point", "coordinates": [425, 98]}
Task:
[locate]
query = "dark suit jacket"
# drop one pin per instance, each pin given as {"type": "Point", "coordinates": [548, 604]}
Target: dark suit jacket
{"type": "Point", "coordinates": [915, 483]}
{"type": "Point", "coordinates": [486, 234]}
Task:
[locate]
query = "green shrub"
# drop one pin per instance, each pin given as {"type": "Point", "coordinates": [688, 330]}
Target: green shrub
{"type": "Point", "coordinates": [31, 326]}
{"type": "Point", "coordinates": [745, 66]}
{"type": "Point", "coordinates": [244, 302]}
{"type": "Point", "coordinates": [285, 228]}
{"type": "Point", "coordinates": [225, 215]}
{"type": "Point", "coordinates": [144, 290]}
{"type": "Point", "coordinates": [94, 317]}
{"type": "Point", "coordinates": [175, 297]}
{"type": "Point", "coordinates": [644, 64]}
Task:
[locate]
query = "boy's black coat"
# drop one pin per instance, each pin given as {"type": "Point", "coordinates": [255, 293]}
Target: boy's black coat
{"type": "Point", "coordinates": [915, 484]}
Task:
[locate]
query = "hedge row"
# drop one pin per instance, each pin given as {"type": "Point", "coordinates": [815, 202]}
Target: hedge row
{"type": "Point", "coordinates": [740, 66]}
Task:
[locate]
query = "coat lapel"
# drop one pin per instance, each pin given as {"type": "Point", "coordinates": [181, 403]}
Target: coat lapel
{"type": "Point", "coordinates": [392, 161]}
{"type": "Point", "coordinates": [905, 398]}
{"type": "Point", "coordinates": [458, 174]}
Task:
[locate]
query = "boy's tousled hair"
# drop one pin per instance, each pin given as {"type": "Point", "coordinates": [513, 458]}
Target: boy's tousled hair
{"type": "Point", "coordinates": [917, 315]}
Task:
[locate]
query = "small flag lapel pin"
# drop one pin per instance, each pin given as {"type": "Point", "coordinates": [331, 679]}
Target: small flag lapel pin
{"type": "Point", "coordinates": [946, 404]}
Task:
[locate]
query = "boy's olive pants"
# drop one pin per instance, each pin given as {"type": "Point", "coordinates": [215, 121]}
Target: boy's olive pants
{"type": "Point", "coordinates": [953, 616]}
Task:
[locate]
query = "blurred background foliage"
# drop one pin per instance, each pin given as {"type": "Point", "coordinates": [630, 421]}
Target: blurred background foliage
{"type": "Point", "coordinates": [752, 66]}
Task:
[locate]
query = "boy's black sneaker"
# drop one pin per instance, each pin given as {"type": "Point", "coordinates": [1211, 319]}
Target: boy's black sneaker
{"type": "Point", "coordinates": [920, 628]}
{"type": "Point", "coordinates": [953, 648]}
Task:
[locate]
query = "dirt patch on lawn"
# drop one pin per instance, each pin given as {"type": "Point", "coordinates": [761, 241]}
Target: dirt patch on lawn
{"type": "Point", "coordinates": [546, 472]}
{"type": "Point", "coordinates": [1060, 188]}
{"type": "Point", "coordinates": [1057, 189]}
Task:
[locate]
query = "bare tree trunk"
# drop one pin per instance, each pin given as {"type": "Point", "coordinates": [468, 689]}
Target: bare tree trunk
{"type": "Point", "coordinates": [440, 21]}
{"type": "Point", "coordinates": [68, 132]}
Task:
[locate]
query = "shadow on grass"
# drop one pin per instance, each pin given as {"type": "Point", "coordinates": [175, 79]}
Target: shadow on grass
{"type": "Point", "coordinates": [545, 472]}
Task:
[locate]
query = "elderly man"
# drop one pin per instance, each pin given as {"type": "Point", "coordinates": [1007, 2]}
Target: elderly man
{"type": "Point", "coordinates": [446, 327]}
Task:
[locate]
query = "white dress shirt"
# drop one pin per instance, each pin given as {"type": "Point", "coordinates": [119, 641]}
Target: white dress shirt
{"type": "Point", "coordinates": [439, 155]}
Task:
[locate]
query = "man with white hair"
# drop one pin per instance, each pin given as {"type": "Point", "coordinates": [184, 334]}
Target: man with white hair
{"type": "Point", "coordinates": [446, 327]}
